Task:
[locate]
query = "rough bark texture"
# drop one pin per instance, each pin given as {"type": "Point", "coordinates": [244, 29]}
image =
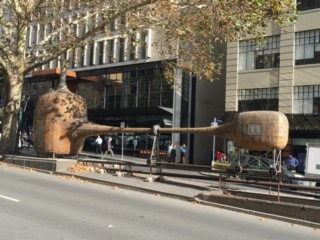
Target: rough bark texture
{"type": "Point", "coordinates": [12, 101]}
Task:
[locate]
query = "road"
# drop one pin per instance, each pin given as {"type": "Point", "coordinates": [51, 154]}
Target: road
{"type": "Point", "coordinates": [36, 205]}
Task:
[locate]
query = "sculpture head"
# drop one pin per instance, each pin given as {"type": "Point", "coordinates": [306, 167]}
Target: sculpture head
{"type": "Point", "coordinates": [56, 114]}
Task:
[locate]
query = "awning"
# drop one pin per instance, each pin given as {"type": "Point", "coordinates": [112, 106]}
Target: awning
{"type": "Point", "coordinates": [304, 121]}
{"type": "Point", "coordinates": [53, 73]}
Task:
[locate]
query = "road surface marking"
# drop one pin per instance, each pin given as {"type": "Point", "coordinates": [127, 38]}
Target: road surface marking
{"type": "Point", "coordinates": [9, 198]}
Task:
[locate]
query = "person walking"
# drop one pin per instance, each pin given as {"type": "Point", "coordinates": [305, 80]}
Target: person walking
{"type": "Point", "coordinates": [169, 148]}
{"type": "Point", "coordinates": [173, 154]}
{"type": "Point", "coordinates": [135, 144]}
{"type": "Point", "coordinates": [109, 148]}
{"type": "Point", "coordinates": [98, 143]}
{"type": "Point", "coordinates": [183, 152]}
{"type": "Point", "coordinates": [30, 139]}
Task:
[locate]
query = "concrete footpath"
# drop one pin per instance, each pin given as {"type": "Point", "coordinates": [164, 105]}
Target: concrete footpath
{"type": "Point", "coordinates": [211, 193]}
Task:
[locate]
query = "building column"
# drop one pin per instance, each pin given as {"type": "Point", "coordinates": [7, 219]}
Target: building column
{"type": "Point", "coordinates": [286, 70]}
{"type": "Point", "coordinates": [231, 103]}
{"type": "Point", "coordinates": [176, 117]}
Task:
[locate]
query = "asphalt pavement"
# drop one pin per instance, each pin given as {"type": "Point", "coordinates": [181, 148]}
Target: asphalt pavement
{"type": "Point", "coordinates": [206, 192]}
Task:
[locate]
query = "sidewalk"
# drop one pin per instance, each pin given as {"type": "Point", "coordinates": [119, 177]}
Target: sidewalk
{"type": "Point", "coordinates": [186, 189]}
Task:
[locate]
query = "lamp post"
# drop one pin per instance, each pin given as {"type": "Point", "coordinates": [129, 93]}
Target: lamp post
{"type": "Point", "coordinates": [122, 125]}
{"type": "Point", "coordinates": [214, 124]}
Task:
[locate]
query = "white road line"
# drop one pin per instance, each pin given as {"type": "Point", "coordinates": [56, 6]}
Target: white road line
{"type": "Point", "coordinates": [9, 198]}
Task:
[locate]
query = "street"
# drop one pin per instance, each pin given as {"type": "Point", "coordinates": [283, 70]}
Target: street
{"type": "Point", "coordinates": [35, 205]}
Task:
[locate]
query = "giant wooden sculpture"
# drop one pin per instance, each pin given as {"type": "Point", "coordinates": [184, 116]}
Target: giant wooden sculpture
{"type": "Point", "coordinates": [61, 125]}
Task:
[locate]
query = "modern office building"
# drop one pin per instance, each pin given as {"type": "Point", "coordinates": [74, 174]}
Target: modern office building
{"type": "Point", "coordinates": [283, 75]}
{"type": "Point", "coordinates": [123, 83]}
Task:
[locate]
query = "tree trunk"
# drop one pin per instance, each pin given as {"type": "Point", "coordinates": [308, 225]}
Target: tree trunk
{"type": "Point", "coordinates": [11, 106]}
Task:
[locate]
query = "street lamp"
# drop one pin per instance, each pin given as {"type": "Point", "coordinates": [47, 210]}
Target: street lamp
{"type": "Point", "coordinates": [122, 125]}
{"type": "Point", "coordinates": [214, 124]}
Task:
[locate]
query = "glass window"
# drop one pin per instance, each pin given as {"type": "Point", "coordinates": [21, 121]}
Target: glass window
{"type": "Point", "coordinates": [110, 51]}
{"type": "Point", "coordinates": [144, 44]}
{"type": "Point", "coordinates": [307, 47]}
{"type": "Point", "coordinates": [303, 5]}
{"type": "Point", "coordinates": [122, 50]}
{"type": "Point", "coordinates": [306, 99]}
{"type": "Point", "coordinates": [254, 56]}
{"type": "Point", "coordinates": [141, 88]}
{"type": "Point", "coordinates": [258, 99]}
{"type": "Point", "coordinates": [100, 49]}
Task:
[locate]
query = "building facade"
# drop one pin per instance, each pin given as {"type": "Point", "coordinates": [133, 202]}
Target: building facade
{"type": "Point", "coordinates": [124, 82]}
{"type": "Point", "coordinates": [281, 75]}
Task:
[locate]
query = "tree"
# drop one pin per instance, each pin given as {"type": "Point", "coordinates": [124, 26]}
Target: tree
{"type": "Point", "coordinates": [189, 29]}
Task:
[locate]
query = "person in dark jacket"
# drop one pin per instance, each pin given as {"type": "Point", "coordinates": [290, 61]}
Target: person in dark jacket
{"type": "Point", "coordinates": [173, 154]}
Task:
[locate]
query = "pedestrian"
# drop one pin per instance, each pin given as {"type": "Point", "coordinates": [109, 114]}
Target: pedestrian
{"type": "Point", "coordinates": [109, 148]}
{"type": "Point", "coordinates": [30, 139]}
{"type": "Point", "coordinates": [173, 153]}
{"type": "Point", "coordinates": [135, 143]}
{"type": "Point", "coordinates": [24, 136]}
{"type": "Point", "coordinates": [301, 167]}
{"type": "Point", "coordinates": [170, 145]}
{"type": "Point", "coordinates": [292, 162]}
{"type": "Point", "coordinates": [98, 143]}
{"type": "Point", "coordinates": [224, 158]}
{"type": "Point", "coordinates": [218, 155]}
{"type": "Point", "coordinates": [183, 152]}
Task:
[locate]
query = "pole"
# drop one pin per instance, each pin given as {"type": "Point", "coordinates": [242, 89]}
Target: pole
{"type": "Point", "coordinates": [214, 124]}
{"type": "Point", "coordinates": [122, 148]}
{"type": "Point", "coordinates": [122, 125]}
{"type": "Point", "coordinates": [213, 147]}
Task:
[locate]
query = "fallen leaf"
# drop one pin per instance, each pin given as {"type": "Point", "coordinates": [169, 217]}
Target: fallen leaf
{"type": "Point", "coordinates": [195, 202]}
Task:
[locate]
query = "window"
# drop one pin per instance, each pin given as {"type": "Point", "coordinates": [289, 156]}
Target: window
{"type": "Point", "coordinates": [307, 47]}
{"type": "Point", "coordinates": [140, 88]}
{"type": "Point", "coordinates": [307, 99]}
{"type": "Point", "coordinates": [144, 44]}
{"type": "Point", "coordinates": [100, 53]}
{"type": "Point", "coordinates": [254, 56]}
{"type": "Point", "coordinates": [303, 5]}
{"type": "Point", "coordinates": [258, 99]}
{"type": "Point", "coordinates": [133, 47]}
{"type": "Point", "coordinates": [122, 49]}
{"type": "Point", "coordinates": [110, 51]}
{"type": "Point", "coordinates": [91, 54]}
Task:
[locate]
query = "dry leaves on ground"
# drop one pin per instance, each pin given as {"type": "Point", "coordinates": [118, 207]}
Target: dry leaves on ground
{"type": "Point", "coordinates": [194, 202]}
{"type": "Point", "coordinates": [73, 178]}
{"type": "Point", "coordinates": [81, 168]}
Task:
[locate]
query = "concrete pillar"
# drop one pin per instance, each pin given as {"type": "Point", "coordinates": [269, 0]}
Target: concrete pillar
{"type": "Point", "coordinates": [286, 70]}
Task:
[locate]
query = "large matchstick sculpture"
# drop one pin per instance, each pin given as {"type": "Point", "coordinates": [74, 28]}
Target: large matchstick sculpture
{"type": "Point", "coordinates": [61, 126]}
